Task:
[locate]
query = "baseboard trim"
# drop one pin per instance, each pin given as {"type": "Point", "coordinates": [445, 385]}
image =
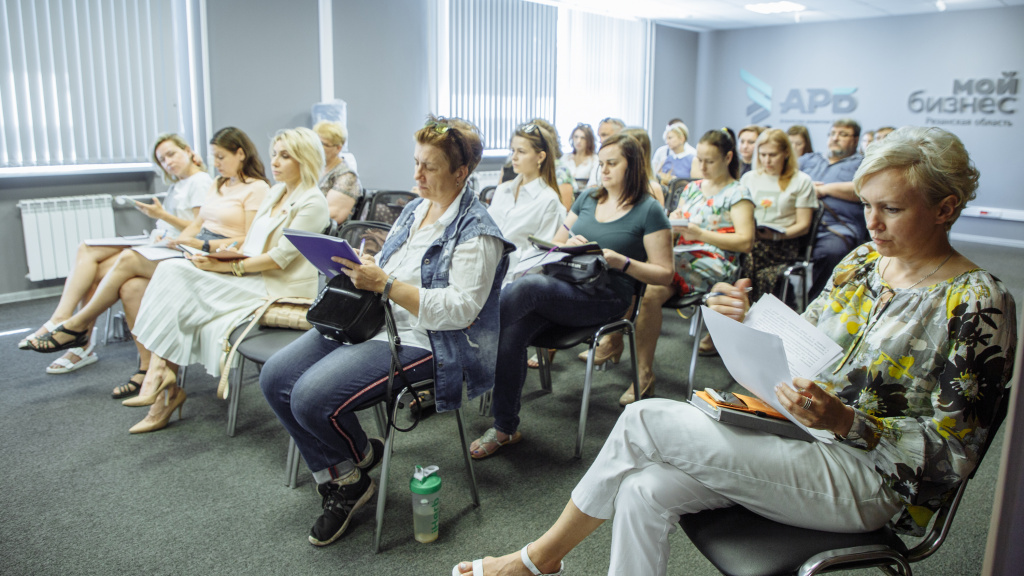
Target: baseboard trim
{"type": "Point", "coordinates": [991, 240]}
{"type": "Point", "coordinates": [35, 294]}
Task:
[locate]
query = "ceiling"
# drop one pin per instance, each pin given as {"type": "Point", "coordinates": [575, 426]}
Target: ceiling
{"type": "Point", "coordinates": [702, 15]}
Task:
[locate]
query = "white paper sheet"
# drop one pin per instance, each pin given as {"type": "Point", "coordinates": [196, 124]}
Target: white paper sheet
{"type": "Point", "coordinates": [808, 349]}
{"type": "Point", "coordinates": [534, 258]}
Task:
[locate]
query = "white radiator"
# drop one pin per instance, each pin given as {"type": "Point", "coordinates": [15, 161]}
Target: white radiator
{"type": "Point", "coordinates": [54, 227]}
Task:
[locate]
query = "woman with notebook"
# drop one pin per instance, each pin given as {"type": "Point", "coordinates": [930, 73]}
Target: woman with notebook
{"type": "Point", "coordinates": [929, 344]}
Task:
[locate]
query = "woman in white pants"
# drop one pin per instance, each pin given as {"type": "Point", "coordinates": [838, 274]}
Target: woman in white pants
{"type": "Point", "coordinates": [929, 340]}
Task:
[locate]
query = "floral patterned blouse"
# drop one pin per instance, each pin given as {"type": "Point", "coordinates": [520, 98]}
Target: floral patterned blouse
{"type": "Point", "coordinates": [924, 373]}
{"type": "Point", "coordinates": [713, 213]}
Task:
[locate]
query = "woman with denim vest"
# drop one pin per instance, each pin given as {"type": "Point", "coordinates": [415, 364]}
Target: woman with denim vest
{"type": "Point", "coordinates": [441, 265]}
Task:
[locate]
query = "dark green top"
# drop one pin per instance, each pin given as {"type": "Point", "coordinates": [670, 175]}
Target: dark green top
{"type": "Point", "coordinates": [624, 235]}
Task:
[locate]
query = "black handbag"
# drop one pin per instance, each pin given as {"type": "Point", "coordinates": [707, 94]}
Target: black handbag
{"type": "Point", "coordinates": [585, 270]}
{"type": "Point", "coordinates": [345, 313]}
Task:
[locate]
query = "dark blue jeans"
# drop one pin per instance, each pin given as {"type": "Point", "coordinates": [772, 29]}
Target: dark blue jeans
{"type": "Point", "coordinates": [829, 251]}
{"type": "Point", "coordinates": [313, 385]}
{"type": "Point", "coordinates": [530, 306]}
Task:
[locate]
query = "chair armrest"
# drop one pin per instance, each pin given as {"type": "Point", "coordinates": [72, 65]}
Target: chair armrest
{"type": "Point", "coordinates": [863, 556]}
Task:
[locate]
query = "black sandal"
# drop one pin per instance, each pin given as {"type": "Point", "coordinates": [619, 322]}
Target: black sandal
{"type": "Point", "coordinates": [129, 388]}
{"type": "Point", "coordinates": [47, 344]}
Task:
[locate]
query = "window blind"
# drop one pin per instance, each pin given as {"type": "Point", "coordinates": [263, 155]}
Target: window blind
{"type": "Point", "coordinates": [88, 81]}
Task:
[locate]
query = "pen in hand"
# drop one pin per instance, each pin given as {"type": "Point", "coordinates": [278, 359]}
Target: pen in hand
{"type": "Point", "coordinates": [228, 247]}
{"type": "Point", "coordinates": [362, 244]}
{"type": "Point", "coordinates": [568, 230]}
{"type": "Point", "coordinates": [713, 294]}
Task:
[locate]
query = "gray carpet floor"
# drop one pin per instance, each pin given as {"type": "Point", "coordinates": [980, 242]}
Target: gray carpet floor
{"type": "Point", "coordinates": [79, 495]}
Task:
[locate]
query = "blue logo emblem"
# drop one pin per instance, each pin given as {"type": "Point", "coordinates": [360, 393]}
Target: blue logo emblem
{"type": "Point", "coordinates": [760, 95]}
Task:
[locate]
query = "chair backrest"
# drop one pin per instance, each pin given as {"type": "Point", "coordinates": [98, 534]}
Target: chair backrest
{"type": "Point", "coordinates": [812, 233]}
{"type": "Point", "coordinates": [675, 190]}
{"type": "Point", "coordinates": [356, 232]}
{"type": "Point", "coordinates": [487, 194]}
{"type": "Point", "coordinates": [386, 205]}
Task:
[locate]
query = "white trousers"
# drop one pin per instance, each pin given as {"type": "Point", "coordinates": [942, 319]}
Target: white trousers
{"type": "Point", "coordinates": [665, 458]}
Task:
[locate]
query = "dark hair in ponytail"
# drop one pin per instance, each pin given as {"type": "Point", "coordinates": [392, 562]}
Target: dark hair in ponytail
{"type": "Point", "coordinates": [725, 141]}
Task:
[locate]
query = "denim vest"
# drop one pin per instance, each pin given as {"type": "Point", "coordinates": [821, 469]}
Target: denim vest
{"type": "Point", "coordinates": [469, 354]}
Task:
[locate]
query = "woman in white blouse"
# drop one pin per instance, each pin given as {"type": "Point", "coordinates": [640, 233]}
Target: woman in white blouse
{"type": "Point", "coordinates": [784, 205]}
{"type": "Point", "coordinates": [529, 204]}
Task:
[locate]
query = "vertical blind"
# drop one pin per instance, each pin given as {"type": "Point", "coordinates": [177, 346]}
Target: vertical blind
{"type": "Point", "coordinates": [87, 81]}
{"type": "Point", "coordinates": [512, 60]}
{"type": "Point", "coordinates": [501, 64]}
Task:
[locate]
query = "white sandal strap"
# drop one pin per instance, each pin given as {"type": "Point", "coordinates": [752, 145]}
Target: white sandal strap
{"type": "Point", "coordinates": [525, 557]}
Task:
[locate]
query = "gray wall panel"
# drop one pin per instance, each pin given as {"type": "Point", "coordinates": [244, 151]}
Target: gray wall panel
{"type": "Point", "coordinates": [674, 92]}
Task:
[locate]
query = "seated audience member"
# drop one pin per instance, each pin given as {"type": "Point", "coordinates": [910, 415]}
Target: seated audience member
{"type": "Point", "coordinates": [662, 152]}
{"type": "Point", "coordinates": [184, 170]}
{"type": "Point", "coordinates": [882, 132]}
{"type": "Point", "coordinates": [192, 305]}
{"type": "Point", "coordinates": [905, 433]}
{"type": "Point", "coordinates": [441, 304]}
{"type": "Point", "coordinates": [678, 163]}
{"type": "Point", "coordinates": [842, 225]}
{"type": "Point", "coordinates": [640, 135]}
{"type": "Point", "coordinates": [339, 182]}
{"type": "Point", "coordinates": [633, 231]}
{"type": "Point", "coordinates": [866, 138]}
{"type": "Point", "coordinates": [583, 160]}
{"type": "Point", "coordinates": [567, 186]}
{"type": "Point", "coordinates": [745, 146]}
{"type": "Point", "coordinates": [605, 129]}
{"type": "Point", "coordinates": [720, 227]}
{"type": "Point", "coordinates": [800, 138]}
{"type": "Point", "coordinates": [784, 199]}
{"type": "Point", "coordinates": [528, 205]}
{"type": "Point", "coordinates": [228, 209]}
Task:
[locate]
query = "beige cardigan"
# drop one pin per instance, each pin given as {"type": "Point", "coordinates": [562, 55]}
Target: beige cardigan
{"type": "Point", "coordinates": [306, 211]}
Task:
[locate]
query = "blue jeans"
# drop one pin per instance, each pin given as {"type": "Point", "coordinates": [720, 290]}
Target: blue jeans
{"type": "Point", "coordinates": [313, 385]}
{"type": "Point", "coordinates": [829, 251]}
{"type": "Point", "coordinates": [530, 306]}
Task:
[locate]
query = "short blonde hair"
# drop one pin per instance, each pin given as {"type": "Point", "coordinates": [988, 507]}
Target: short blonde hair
{"type": "Point", "coordinates": [332, 132]}
{"type": "Point", "coordinates": [304, 145]}
{"type": "Point", "coordinates": [931, 161]}
{"type": "Point", "coordinates": [680, 130]}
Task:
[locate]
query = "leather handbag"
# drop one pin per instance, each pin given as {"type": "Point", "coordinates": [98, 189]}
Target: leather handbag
{"type": "Point", "coordinates": [345, 313]}
{"type": "Point", "coordinates": [589, 270]}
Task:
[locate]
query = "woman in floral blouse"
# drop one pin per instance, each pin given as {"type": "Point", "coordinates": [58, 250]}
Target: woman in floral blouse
{"type": "Point", "coordinates": [720, 217]}
{"type": "Point", "coordinates": [929, 344]}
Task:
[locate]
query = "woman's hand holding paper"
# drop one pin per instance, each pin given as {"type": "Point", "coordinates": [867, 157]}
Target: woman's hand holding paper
{"type": "Point", "coordinates": [814, 407]}
{"type": "Point", "coordinates": [732, 299]}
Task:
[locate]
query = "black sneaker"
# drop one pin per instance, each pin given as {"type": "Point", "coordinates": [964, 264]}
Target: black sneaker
{"type": "Point", "coordinates": [339, 503]}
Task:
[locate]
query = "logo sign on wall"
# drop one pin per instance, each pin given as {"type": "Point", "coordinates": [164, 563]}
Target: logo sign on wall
{"type": "Point", "coordinates": [972, 102]}
{"type": "Point", "coordinates": [805, 101]}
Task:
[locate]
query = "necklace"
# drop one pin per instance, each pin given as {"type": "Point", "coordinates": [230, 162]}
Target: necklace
{"type": "Point", "coordinates": [932, 273]}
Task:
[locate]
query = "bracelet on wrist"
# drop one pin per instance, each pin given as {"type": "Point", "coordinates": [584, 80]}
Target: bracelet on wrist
{"type": "Point", "coordinates": [386, 293]}
{"type": "Point", "coordinates": [206, 245]}
{"type": "Point", "coordinates": [626, 265]}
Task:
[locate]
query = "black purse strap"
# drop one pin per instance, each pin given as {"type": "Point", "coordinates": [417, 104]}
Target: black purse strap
{"type": "Point", "coordinates": [396, 368]}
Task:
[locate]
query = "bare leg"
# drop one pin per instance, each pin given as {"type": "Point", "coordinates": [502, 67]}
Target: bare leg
{"type": "Point", "coordinates": [70, 355]}
{"type": "Point", "coordinates": [82, 278]}
{"type": "Point", "coordinates": [158, 371]}
{"type": "Point", "coordinates": [571, 528]}
{"type": "Point", "coordinates": [131, 298]}
{"type": "Point", "coordinates": [648, 328]}
{"type": "Point", "coordinates": [129, 265]}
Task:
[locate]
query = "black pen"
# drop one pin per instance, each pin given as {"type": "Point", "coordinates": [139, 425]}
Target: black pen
{"type": "Point", "coordinates": [713, 294]}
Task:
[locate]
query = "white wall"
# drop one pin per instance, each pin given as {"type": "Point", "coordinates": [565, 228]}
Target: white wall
{"type": "Point", "coordinates": [674, 91]}
{"type": "Point", "coordinates": [886, 60]}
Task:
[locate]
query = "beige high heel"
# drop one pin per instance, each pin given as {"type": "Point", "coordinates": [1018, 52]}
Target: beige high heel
{"type": "Point", "coordinates": [600, 358]}
{"type": "Point", "coordinates": [158, 421]}
{"type": "Point", "coordinates": [646, 389]}
{"type": "Point", "coordinates": [169, 380]}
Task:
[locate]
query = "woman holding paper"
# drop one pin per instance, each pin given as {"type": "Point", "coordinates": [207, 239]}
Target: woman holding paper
{"type": "Point", "coordinates": [720, 226]}
{"type": "Point", "coordinates": [192, 305]}
{"type": "Point", "coordinates": [226, 213]}
{"type": "Point", "coordinates": [441, 267]}
{"type": "Point", "coordinates": [631, 228]}
{"type": "Point", "coordinates": [184, 170]}
{"type": "Point", "coordinates": [929, 344]}
{"type": "Point", "coordinates": [784, 205]}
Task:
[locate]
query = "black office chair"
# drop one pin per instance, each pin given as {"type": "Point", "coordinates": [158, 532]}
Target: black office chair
{"type": "Point", "coordinates": [562, 337]}
{"type": "Point", "coordinates": [803, 269]}
{"type": "Point", "coordinates": [378, 406]}
{"type": "Point", "coordinates": [675, 190]}
{"type": "Point", "coordinates": [741, 543]}
{"type": "Point", "coordinates": [386, 205]}
{"type": "Point", "coordinates": [487, 194]}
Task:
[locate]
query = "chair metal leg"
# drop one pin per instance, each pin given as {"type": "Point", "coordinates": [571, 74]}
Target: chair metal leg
{"type": "Point", "coordinates": [631, 334]}
{"type": "Point", "coordinates": [585, 406]}
{"type": "Point", "coordinates": [485, 404]}
{"type": "Point", "coordinates": [106, 329]}
{"type": "Point", "coordinates": [291, 465]}
{"type": "Point", "coordinates": [382, 487]}
{"type": "Point", "coordinates": [544, 360]}
{"type": "Point", "coordinates": [697, 327]}
{"type": "Point", "coordinates": [234, 391]}
{"type": "Point", "coordinates": [469, 461]}
{"type": "Point", "coordinates": [182, 375]}
{"type": "Point", "coordinates": [379, 417]}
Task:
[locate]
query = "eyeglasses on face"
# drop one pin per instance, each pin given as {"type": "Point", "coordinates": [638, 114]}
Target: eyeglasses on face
{"type": "Point", "coordinates": [835, 134]}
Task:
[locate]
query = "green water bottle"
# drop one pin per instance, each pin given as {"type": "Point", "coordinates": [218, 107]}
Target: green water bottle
{"type": "Point", "coordinates": [426, 503]}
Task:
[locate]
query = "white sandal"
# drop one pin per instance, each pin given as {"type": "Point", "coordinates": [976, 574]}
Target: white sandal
{"type": "Point", "coordinates": [478, 566]}
{"type": "Point", "coordinates": [63, 365]}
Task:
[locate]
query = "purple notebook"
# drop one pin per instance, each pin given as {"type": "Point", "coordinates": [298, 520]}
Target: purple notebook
{"type": "Point", "coordinates": [319, 248]}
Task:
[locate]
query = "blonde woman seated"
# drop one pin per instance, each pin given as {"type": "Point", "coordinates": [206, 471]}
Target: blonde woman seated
{"type": "Point", "coordinates": [192, 305]}
{"type": "Point", "coordinates": [339, 182]}
{"type": "Point", "coordinates": [184, 170]}
{"type": "Point", "coordinates": [679, 161]}
{"type": "Point", "coordinates": [529, 204]}
{"type": "Point", "coordinates": [720, 226]}
{"type": "Point", "coordinates": [905, 433]}
{"type": "Point", "coordinates": [784, 205]}
{"type": "Point", "coordinates": [227, 211]}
